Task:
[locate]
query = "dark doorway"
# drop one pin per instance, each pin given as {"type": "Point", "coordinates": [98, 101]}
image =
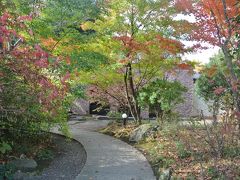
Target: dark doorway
{"type": "Point", "coordinates": [152, 113]}
{"type": "Point", "coordinates": [98, 109]}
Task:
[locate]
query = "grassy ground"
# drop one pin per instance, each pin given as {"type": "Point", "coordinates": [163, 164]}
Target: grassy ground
{"type": "Point", "coordinates": [184, 150]}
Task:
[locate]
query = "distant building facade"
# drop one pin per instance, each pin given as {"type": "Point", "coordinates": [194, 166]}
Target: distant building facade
{"type": "Point", "coordinates": [192, 105]}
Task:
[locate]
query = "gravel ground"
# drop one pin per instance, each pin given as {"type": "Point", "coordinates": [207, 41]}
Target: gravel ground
{"type": "Point", "coordinates": [68, 163]}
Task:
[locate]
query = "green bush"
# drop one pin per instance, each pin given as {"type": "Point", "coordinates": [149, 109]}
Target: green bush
{"type": "Point", "coordinates": [181, 150]}
{"type": "Point", "coordinates": [6, 171]}
{"type": "Point", "coordinates": [190, 176]}
{"type": "Point", "coordinates": [45, 154]}
{"type": "Point", "coordinates": [231, 152]}
{"type": "Point", "coordinates": [214, 173]}
{"type": "Point", "coordinates": [5, 147]}
{"type": "Point", "coordinates": [165, 162]}
{"type": "Point", "coordinates": [161, 96]}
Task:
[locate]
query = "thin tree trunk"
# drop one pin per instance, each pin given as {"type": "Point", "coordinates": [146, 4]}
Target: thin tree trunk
{"type": "Point", "coordinates": [233, 80]}
{"type": "Point", "coordinates": [131, 94]}
{"type": "Point", "coordinates": [127, 94]}
{"type": "Point", "coordinates": [228, 59]}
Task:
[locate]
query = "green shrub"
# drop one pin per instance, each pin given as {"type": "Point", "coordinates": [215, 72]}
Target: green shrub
{"type": "Point", "coordinates": [166, 162]}
{"type": "Point", "coordinates": [45, 154]}
{"type": "Point", "coordinates": [23, 148]}
{"type": "Point", "coordinates": [181, 151]}
{"type": "Point", "coordinates": [190, 176]}
{"type": "Point", "coordinates": [6, 171]}
{"type": "Point", "coordinates": [231, 152]}
{"type": "Point", "coordinates": [214, 173]}
{"type": "Point", "coordinates": [161, 96]}
{"type": "Point", "coordinates": [5, 147]}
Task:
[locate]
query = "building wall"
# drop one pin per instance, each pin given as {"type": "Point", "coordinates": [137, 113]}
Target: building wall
{"type": "Point", "coordinates": [200, 105]}
{"type": "Point", "coordinates": [191, 106]}
{"type": "Point", "coordinates": [185, 109]}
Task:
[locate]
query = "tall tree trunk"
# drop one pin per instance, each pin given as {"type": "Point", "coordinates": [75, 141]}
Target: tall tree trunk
{"type": "Point", "coordinates": [131, 94]}
{"type": "Point", "coordinates": [159, 113]}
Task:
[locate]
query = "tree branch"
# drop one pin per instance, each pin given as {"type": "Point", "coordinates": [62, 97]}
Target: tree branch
{"type": "Point", "coordinates": [227, 21]}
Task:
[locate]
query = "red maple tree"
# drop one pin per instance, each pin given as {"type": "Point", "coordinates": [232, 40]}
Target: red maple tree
{"type": "Point", "coordinates": [215, 24]}
{"type": "Point", "coordinates": [30, 63]}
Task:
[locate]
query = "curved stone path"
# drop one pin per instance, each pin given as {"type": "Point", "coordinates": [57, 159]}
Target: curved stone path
{"type": "Point", "coordinates": [108, 158]}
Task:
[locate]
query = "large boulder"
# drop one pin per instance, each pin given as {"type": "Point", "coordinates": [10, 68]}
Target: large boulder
{"type": "Point", "coordinates": [140, 133]}
{"type": "Point", "coordinates": [24, 164]}
{"type": "Point", "coordinates": [153, 131]}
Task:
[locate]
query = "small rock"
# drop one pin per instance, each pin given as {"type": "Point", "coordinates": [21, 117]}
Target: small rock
{"type": "Point", "coordinates": [23, 156]}
{"type": "Point", "coordinates": [139, 133]}
{"type": "Point", "coordinates": [19, 175]}
{"type": "Point", "coordinates": [156, 128]}
{"type": "Point", "coordinates": [24, 164]}
{"type": "Point", "coordinates": [165, 174]}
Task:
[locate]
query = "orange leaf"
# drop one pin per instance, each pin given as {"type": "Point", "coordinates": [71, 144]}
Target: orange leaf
{"type": "Point", "coordinates": [184, 66]}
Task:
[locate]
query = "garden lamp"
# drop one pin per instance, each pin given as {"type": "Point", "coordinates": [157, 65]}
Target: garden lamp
{"type": "Point", "coordinates": [124, 116]}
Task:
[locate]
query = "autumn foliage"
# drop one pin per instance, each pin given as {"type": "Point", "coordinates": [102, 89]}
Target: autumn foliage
{"type": "Point", "coordinates": [30, 63]}
{"type": "Point", "coordinates": [213, 19]}
{"type": "Point", "coordinates": [216, 23]}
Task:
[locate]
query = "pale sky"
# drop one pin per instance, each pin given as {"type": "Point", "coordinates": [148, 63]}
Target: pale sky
{"type": "Point", "coordinates": [203, 56]}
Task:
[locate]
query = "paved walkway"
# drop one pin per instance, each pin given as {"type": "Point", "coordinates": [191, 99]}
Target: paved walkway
{"type": "Point", "coordinates": [108, 158]}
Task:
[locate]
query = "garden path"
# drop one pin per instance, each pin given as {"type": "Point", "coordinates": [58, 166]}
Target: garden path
{"type": "Point", "coordinates": [108, 158]}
